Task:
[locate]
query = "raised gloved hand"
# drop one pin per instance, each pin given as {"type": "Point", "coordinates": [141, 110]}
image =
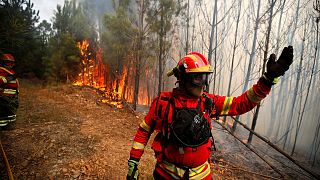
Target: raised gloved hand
{"type": "Point", "coordinates": [133, 172]}
{"type": "Point", "coordinates": [277, 68]}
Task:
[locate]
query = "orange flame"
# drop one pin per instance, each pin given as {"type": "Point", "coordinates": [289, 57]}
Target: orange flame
{"type": "Point", "coordinates": [95, 73]}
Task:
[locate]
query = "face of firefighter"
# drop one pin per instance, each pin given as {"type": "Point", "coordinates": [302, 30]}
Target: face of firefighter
{"type": "Point", "coordinates": [8, 64]}
{"type": "Point", "coordinates": [195, 83]}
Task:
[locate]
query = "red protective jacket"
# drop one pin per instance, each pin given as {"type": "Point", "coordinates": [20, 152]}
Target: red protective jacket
{"type": "Point", "coordinates": [189, 157]}
{"type": "Point", "coordinates": [8, 88]}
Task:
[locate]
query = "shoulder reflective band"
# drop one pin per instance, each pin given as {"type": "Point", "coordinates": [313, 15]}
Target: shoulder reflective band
{"type": "Point", "coordinates": [226, 105]}
{"type": "Point", "coordinates": [137, 145]}
{"type": "Point", "coordinates": [145, 126]}
{"type": "Point", "coordinates": [252, 96]}
{"type": "Point", "coordinates": [3, 79]}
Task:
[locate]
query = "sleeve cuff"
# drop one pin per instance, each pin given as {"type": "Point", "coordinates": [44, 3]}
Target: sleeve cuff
{"type": "Point", "coordinates": [269, 81]}
{"type": "Point", "coordinates": [135, 159]}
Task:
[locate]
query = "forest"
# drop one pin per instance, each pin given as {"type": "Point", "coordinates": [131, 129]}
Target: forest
{"type": "Point", "coordinates": [125, 48]}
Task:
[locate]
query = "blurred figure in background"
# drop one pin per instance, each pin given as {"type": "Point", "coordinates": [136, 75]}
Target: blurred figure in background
{"type": "Point", "coordinates": [9, 85]}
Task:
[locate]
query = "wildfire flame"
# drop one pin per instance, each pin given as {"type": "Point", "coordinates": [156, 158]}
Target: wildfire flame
{"type": "Point", "coordinates": [95, 73]}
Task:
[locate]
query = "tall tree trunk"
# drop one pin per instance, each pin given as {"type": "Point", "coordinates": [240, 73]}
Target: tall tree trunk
{"type": "Point", "coordinates": [188, 19]}
{"type": "Point", "coordinates": [139, 56]}
{"type": "Point", "coordinates": [223, 32]}
{"type": "Point", "coordinates": [253, 49]}
{"type": "Point", "coordinates": [193, 32]}
{"type": "Point", "coordinates": [316, 139]}
{"type": "Point", "coordinates": [160, 55]}
{"type": "Point", "coordinates": [148, 90]}
{"type": "Point", "coordinates": [308, 90]}
{"type": "Point", "coordinates": [233, 55]}
{"type": "Point", "coordinates": [265, 57]}
{"type": "Point", "coordinates": [213, 26]}
{"type": "Point", "coordinates": [315, 143]}
{"type": "Point", "coordinates": [296, 88]}
{"type": "Point", "coordinates": [274, 105]}
{"type": "Point", "coordinates": [215, 55]}
{"type": "Point", "coordinates": [288, 124]}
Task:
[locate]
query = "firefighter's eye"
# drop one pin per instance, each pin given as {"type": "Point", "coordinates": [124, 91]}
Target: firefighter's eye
{"type": "Point", "coordinates": [199, 77]}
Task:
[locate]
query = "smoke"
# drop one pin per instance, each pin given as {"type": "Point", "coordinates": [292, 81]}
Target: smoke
{"type": "Point", "coordinates": [46, 8]}
{"type": "Point", "coordinates": [98, 7]}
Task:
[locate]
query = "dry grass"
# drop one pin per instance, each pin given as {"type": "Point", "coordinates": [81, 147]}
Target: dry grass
{"type": "Point", "coordinates": [63, 133]}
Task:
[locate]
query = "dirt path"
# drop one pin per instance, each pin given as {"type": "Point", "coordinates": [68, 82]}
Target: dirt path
{"type": "Point", "coordinates": [62, 133]}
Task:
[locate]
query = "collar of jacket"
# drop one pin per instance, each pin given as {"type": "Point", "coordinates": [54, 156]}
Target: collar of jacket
{"type": "Point", "coordinates": [182, 94]}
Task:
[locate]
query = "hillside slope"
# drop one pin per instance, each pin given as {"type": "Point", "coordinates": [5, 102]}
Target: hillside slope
{"type": "Point", "coordinates": [65, 132]}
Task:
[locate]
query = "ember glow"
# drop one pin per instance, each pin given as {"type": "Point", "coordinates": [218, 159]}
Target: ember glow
{"type": "Point", "coordinates": [95, 73]}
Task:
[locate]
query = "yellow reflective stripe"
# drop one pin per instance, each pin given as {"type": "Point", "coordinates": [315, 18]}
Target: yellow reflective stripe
{"type": "Point", "coordinates": [252, 96]}
{"type": "Point", "coordinates": [137, 145]}
{"type": "Point", "coordinates": [172, 170]}
{"type": "Point", "coordinates": [206, 68]}
{"type": "Point", "coordinates": [3, 79]}
{"type": "Point", "coordinates": [226, 105]}
{"type": "Point", "coordinates": [145, 126]}
{"type": "Point", "coordinates": [12, 82]}
{"type": "Point", "coordinates": [9, 91]}
{"type": "Point", "coordinates": [197, 170]}
{"type": "Point", "coordinates": [193, 57]}
{"type": "Point", "coordinates": [204, 173]}
{"type": "Point", "coordinates": [194, 173]}
{"type": "Point", "coordinates": [273, 81]}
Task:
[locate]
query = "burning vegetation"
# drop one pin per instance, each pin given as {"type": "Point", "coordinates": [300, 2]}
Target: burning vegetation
{"type": "Point", "coordinates": [97, 74]}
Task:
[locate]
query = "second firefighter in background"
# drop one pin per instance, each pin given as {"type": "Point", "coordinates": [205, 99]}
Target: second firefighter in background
{"type": "Point", "coordinates": [9, 84]}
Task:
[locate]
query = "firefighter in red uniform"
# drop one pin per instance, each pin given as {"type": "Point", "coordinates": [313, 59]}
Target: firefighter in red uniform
{"type": "Point", "coordinates": [8, 90]}
{"type": "Point", "coordinates": [181, 118]}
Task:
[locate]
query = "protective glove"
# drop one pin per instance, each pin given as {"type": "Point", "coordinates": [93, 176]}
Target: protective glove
{"type": "Point", "coordinates": [133, 172]}
{"type": "Point", "coordinates": [277, 68]}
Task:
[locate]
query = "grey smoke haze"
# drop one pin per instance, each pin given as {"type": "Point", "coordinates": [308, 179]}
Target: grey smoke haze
{"type": "Point", "coordinates": [46, 8]}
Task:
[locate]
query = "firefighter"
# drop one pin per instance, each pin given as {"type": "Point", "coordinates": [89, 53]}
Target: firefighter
{"type": "Point", "coordinates": [181, 118]}
{"type": "Point", "coordinates": [8, 90]}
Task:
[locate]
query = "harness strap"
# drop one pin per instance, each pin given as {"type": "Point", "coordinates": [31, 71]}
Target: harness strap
{"type": "Point", "coordinates": [6, 70]}
{"type": "Point", "coordinates": [166, 123]}
{"type": "Point", "coordinates": [199, 107]}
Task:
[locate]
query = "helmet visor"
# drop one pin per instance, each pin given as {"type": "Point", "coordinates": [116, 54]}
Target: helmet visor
{"type": "Point", "coordinates": [198, 79]}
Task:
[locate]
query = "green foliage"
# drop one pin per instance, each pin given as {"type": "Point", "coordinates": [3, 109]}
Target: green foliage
{"type": "Point", "coordinates": [17, 33]}
{"type": "Point", "coordinates": [72, 18]}
{"type": "Point", "coordinates": [45, 31]}
{"type": "Point", "coordinates": [70, 25]}
{"type": "Point", "coordinates": [117, 38]}
{"type": "Point", "coordinates": [63, 64]}
{"type": "Point", "coordinates": [160, 14]}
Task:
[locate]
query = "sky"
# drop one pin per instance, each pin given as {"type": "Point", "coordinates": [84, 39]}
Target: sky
{"type": "Point", "coordinates": [46, 8]}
